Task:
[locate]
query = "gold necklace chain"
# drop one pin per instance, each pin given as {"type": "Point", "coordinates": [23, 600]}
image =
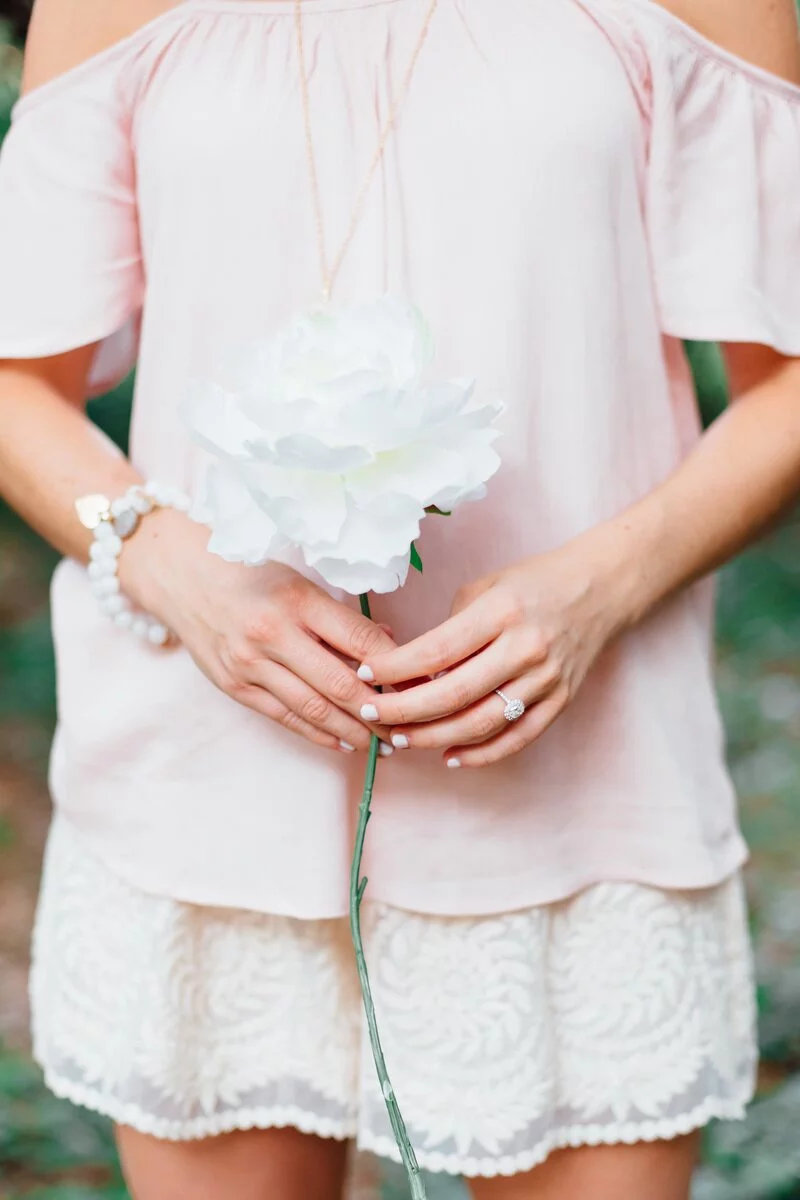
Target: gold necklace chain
{"type": "Point", "coordinates": [330, 272]}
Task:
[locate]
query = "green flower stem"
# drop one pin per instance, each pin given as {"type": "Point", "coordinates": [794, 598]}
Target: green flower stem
{"type": "Point", "coordinates": [357, 888]}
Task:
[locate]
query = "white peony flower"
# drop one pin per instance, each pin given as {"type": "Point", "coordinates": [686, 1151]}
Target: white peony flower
{"type": "Point", "coordinates": [329, 440]}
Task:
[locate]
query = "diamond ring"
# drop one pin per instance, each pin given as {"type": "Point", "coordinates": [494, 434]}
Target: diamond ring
{"type": "Point", "coordinates": [514, 709]}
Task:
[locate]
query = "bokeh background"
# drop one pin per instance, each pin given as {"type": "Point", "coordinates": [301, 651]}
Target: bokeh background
{"type": "Point", "coordinates": [51, 1151]}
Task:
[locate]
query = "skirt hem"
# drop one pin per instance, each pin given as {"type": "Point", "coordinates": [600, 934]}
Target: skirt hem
{"type": "Point", "coordinates": [570, 1137]}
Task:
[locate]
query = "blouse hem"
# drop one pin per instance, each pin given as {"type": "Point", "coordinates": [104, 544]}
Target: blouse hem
{"type": "Point", "coordinates": [441, 901]}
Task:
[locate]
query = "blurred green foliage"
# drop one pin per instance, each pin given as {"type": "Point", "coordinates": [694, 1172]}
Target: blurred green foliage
{"type": "Point", "coordinates": [51, 1149]}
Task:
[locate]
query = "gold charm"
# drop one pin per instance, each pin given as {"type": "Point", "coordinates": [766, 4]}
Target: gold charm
{"type": "Point", "coordinates": [93, 510]}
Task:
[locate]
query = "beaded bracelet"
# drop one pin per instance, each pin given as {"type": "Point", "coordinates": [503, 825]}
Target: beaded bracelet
{"type": "Point", "coordinates": [112, 523]}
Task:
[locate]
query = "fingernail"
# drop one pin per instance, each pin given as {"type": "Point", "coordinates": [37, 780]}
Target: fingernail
{"type": "Point", "coordinates": [400, 741]}
{"type": "Point", "coordinates": [369, 712]}
{"type": "Point", "coordinates": [366, 674]}
{"type": "Point", "coordinates": [454, 763]}
{"type": "Point", "coordinates": [385, 750]}
{"type": "Point", "coordinates": [348, 749]}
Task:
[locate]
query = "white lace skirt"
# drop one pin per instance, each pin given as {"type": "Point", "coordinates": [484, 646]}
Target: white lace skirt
{"type": "Point", "coordinates": [623, 1014]}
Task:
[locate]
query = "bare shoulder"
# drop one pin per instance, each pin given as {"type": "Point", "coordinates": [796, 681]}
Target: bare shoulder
{"type": "Point", "coordinates": [764, 32]}
{"type": "Point", "coordinates": [64, 33]}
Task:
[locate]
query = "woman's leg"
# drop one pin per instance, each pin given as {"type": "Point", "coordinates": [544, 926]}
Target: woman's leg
{"type": "Point", "coordinates": [646, 1171]}
{"type": "Point", "coordinates": [271, 1164]}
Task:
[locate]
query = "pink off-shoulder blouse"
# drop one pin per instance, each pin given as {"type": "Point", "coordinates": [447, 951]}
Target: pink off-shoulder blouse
{"type": "Point", "coordinates": [573, 187]}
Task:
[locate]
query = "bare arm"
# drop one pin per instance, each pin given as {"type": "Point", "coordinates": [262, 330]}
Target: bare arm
{"type": "Point", "coordinates": [746, 470]}
{"type": "Point", "coordinates": [537, 627]}
{"type": "Point", "coordinates": [741, 477]}
{"type": "Point", "coordinates": [50, 453]}
{"type": "Point", "coordinates": [266, 636]}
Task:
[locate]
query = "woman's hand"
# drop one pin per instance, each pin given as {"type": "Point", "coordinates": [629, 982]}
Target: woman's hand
{"type": "Point", "coordinates": [265, 636]}
{"type": "Point", "coordinates": [534, 630]}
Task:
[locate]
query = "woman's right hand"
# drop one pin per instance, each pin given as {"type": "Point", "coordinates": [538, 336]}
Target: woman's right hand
{"type": "Point", "coordinates": [266, 636]}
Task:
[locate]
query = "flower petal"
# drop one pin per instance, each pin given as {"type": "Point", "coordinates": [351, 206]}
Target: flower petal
{"type": "Point", "coordinates": [419, 471]}
{"type": "Point", "coordinates": [330, 442]}
{"type": "Point", "coordinates": [376, 536]}
{"type": "Point", "coordinates": [303, 452]}
{"type": "Point", "coordinates": [215, 420]}
{"type": "Point", "coordinates": [479, 461]}
{"type": "Point", "coordinates": [360, 577]}
{"type": "Point", "coordinates": [240, 530]}
{"type": "Point", "coordinates": [306, 506]}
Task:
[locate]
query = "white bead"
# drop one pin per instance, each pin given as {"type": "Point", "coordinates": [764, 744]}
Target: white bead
{"type": "Point", "coordinates": [101, 550]}
{"type": "Point", "coordinates": [102, 568]}
{"type": "Point", "coordinates": [159, 493]}
{"type": "Point", "coordinates": [108, 585]}
{"type": "Point", "coordinates": [104, 553]}
{"type": "Point", "coordinates": [140, 503]}
{"type": "Point", "coordinates": [112, 605]}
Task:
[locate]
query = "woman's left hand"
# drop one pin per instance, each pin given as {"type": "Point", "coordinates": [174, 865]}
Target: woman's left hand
{"type": "Point", "coordinates": [533, 630]}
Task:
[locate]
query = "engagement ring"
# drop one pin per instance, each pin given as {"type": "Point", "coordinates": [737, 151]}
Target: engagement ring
{"type": "Point", "coordinates": [514, 709]}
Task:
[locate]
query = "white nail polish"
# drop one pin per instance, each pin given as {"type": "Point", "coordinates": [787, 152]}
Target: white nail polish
{"type": "Point", "coordinates": [385, 750]}
{"type": "Point", "coordinates": [454, 763]}
{"type": "Point", "coordinates": [369, 712]}
{"type": "Point", "coordinates": [346, 747]}
{"type": "Point", "coordinates": [400, 741]}
{"type": "Point", "coordinates": [366, 674]}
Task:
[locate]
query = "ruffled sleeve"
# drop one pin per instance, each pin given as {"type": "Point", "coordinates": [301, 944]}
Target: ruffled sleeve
{"type": "Point", "coordinates": [69, 242]}
{"type": "Point", "coordinates": [722, 191]}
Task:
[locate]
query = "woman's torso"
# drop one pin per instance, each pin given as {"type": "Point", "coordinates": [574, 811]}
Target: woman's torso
{"type": "Point", "coordinates": [511, 207]}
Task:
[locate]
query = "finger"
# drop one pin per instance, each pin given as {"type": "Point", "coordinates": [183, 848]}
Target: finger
{"type": "Point", "coordinates": [328, 675]}
{"type": "Point", "coordinates": [262, 702]}
{"type": "Point", "coordinates": [508, 656]}
{"type": "Point", "coordinates": [516, 737]}
{"type": "Point", "coordinates": [481, 721]}
{"type": "Point", "coordinates": [310, 706]}
{"type": "Point", "coordinates": [353, 635]}
{"type": "Point", "coordinates": [440, 648]}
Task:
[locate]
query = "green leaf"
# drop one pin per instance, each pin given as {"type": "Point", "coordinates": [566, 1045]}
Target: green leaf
{"type": "Point", "coordinates": [416, 561]}
{"type": "Point", "coordinates": [437, 512]}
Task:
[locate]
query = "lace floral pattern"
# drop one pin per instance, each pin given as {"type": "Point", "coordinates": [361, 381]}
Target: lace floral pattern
{"type": "Point", "coordinates": [625, 1013]}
